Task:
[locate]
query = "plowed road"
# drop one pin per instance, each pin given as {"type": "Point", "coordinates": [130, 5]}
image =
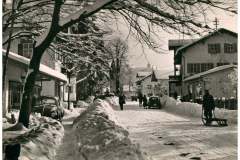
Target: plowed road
{"type": "Point", "coordinates": [164, 136]}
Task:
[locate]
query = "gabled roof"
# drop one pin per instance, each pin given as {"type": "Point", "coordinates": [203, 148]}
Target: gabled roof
{"type": "Point", "coordinates": [161, 74]}
{"type": "Point", "coordinates": [142, 79]}
{"type": "Point", "coordinates": [216, 69]}
{"type": "Point", "coordinates": [142, 74]}
{"type": "Point", "coordinates": [174, 43]}
{"type": "Point", "coordinates": [220, 30]}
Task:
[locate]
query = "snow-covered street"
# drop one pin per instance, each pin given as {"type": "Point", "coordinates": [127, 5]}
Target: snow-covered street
{"type": "Point", "coordinates": [166, 136]}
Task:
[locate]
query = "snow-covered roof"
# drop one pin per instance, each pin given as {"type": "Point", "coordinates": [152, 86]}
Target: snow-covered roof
{"type": "Point", "coordinates": [220, 30]}
{"type": "Point", "coordinates": [216, 69]}
{"type": "Point", "coordinates": [162, 74]}
{"type": "Point", "coordinates": [172, 43]}
{"type": "Point", "coordinates": [43, 68]}
{"type": "Point", "coordinates": [143, 74]}
{"type": "Point", "coordinates": [142, 79]}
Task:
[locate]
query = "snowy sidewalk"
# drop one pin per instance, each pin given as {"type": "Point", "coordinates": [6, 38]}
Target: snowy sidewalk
{"type": "Point", "coordinates": [166, 136]}
{"type": "Point", "coordinates": [65, 151]}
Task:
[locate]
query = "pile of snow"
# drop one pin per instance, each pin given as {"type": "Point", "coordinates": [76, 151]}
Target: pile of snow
{"type": "Point", "coordinates": [90, 99]}
{"type": "Point", "coordinates": [194, 110]}
{"type": "Point", "coordinates": [38, 142]}
{"type": "Point", "coordinates": [12, 118]}
{"type": "Point", "coordinates": [65, 105]}
{"type": "Point", "coordinates": [81, 104]}
{"type": "Point", "coordinates": [99, 138]}
{"type": "Point", "coordinates": [74, 112]}
{"type": "Point", "coordinates": [112, 100]}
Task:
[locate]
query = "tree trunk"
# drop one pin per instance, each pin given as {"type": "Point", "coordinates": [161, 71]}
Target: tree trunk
{"type": "Point", "coordinates": [8, 49]}
{"type": "Point", "coordinates": [33, 70]}
{"type": "Point", "coordinates": [118, 76]}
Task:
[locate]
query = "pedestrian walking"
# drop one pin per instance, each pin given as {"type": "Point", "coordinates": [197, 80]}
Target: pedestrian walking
{"type": "Point", "coordinates": [140, 99]}
{"type": "Point", "coordinates": [121, 100]}
{"type": "Point", "coordinates": [208, 106]}
{"type": "Point", "coordinates": [145, 101]}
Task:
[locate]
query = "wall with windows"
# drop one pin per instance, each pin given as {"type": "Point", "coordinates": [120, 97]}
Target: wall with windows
{"type": "Point", "coordinates": [15, 75]}
{"type": "Point", "coordinates": [218, 84]}
{"type": "Point", "coordinates": [218, 49]}
{"type": "Point", "coordinates": [24, 47]}
{"type": "Point", "coordinates": [148, 87]}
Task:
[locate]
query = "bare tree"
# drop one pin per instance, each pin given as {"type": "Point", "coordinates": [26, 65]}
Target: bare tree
{"type": "Point", "coordinates": [168, 15]}
{"type": "Point", "coordinates": [117, 50]}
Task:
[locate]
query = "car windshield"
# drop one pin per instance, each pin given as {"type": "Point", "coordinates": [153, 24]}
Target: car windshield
{"type": "Point", "coordinates": [48, 101]}
{"type": "Point", "coordinates": [153, 98]}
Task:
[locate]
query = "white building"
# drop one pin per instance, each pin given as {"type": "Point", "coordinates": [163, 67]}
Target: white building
{"type": "Point", "coordinates": [213, 50]}
{"type": "Point", "coordinates": [156, 83]}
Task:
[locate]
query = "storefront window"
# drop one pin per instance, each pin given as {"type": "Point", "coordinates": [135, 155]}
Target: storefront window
{"type": "Point", "coordinates": [15, 91]}
{"type": "Point", "coordinates": [15, 94]}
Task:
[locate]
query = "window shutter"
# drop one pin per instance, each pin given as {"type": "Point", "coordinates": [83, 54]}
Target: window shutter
{"type": "Point", "coordinates": [20, 49]}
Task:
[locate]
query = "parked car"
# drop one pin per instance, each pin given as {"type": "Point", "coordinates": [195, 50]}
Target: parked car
{"type": "Point", "coordinates": [154, 102]}
{"type": "Point", "coordinates": [49, 107]}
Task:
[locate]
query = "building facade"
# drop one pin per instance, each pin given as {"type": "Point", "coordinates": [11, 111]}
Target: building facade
{"type": "Point", "coordinates": [154, 84]}
{"type": "Point", "coordinates": [201, 55]}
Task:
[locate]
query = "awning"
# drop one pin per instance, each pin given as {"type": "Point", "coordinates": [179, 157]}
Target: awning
{"type": "Point", "coordinates": [45, 70]}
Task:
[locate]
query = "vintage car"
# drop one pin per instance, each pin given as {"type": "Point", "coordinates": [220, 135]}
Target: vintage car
{"type": "Point", "coordinates": [154, 102]}
{"type": "Point", "coordinates": [49, 107]}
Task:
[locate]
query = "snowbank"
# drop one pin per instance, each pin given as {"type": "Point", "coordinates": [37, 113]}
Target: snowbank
{"type": "Point", "coordinates": [74, 112]}
{"type": "Point", "coordinates": [81, 104]}
{"type": "Point", "coordinates": [90, 99]}
{"type": "Point", "coordinates": [113, 101]}
{"type": "Point", "coordinates": [99, 138]}
{"type": "Point", "coordinates": [38, 142]}
{"type": "Point", "coordinates": [195, 110]}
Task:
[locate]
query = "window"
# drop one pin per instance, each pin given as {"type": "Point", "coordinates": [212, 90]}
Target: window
{"type": "Point", "coordinates": [25, 48]}
{"type": "Point", "coordinates": [230, 48]}
{"type": "Point", "coordinates": [193, 68]}
{"type": "Point", "coordinates": [14, 94]}
{"type": "Point", "coordinates": [214, 48]}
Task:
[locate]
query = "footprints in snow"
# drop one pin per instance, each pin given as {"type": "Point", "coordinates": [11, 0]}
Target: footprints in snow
{"type": "Point", "coordinates": [194, 158]}
{"type": "Point", "coordinates": [182, 154]}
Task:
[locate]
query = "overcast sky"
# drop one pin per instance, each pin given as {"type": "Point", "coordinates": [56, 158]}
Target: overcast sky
{"type": "Point", "coordinates": [165, 61]}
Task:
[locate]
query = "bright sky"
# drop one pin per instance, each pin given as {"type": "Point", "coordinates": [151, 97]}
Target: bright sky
{"type": "Point", "coordinates": [165, 61]}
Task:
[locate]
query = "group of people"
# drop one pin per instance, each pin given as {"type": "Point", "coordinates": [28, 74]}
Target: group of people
{"type": "Point", "coordinates": [143, 101]}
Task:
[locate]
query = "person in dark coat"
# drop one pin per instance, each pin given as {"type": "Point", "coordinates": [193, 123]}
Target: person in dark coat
{"type": "Point", "coordinates": [145, 101]}
{"type": "Point", "coordinates": [140, 99]}
{"type": "Point", "coordinates": [121, 100]}
{"type": "Point", "coordinates": [208, 106]}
